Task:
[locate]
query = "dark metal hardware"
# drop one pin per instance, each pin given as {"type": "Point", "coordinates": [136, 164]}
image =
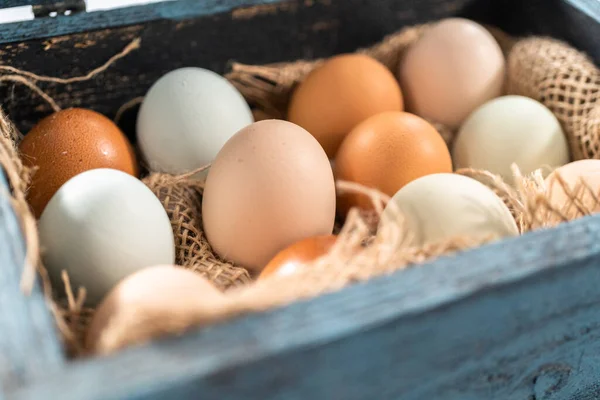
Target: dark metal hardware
{"type": "Point", "coordinates": [66, 7]}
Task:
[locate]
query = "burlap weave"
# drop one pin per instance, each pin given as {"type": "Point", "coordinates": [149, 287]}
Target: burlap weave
{"type": "Point", "coordinates": [566, 82]}
{"type": "Point", "coordinates": [181, 196]}
{"type": "Point", "coordinates": [545, 69]}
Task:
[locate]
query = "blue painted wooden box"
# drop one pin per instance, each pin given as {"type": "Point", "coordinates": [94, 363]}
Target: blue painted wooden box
{"type": "Point", "coordinates": [519, 319]}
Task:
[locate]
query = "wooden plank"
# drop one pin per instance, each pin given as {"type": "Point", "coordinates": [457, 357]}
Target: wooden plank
{"type": "Point", "coordinates": [518, 319]}
{"type": "Point", "coordinates": [186, 9]}
{"type": "Point", "coordinates": [29, 344]}
{"type": "Point", "coordinates": [589, 7]}
{"type": "Point", "coordinates": [84, 22]}
{"type": "Point", "coordinates": [19, 3]}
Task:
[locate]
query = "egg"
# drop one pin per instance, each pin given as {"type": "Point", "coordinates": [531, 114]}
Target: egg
{"type": "Point", "coordinates": [455, 67]}
{"type": "Point", "coordinates": [579, 177]}
{"type": "Point", "coordinates": [507, 130]}
{"type": "Point", "coordinates": [101, 226]}
{"type": "Point", "coordinates": [270, 186]}
{"type": "Point", "coordinates": [341, 93]}
{"type": "Point", "coordinates": [290, 259]}
{"type": "Point", "coordinates": [386, 152]}
{"type": "Point", "coordinates": [67, 143]}
{"type": "Point", "coordinates": [186, 117]}
{"type": "Point", "coordinates": [149, 303]}
{"type": "Point", "coordinates": [440, 207]}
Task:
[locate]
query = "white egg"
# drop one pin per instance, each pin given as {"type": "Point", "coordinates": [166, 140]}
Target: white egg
{"type": "Point", "coordinates": [439, 207]}
{"type": "Point", "coordinates": [101, 226]}
{"type": "Point", "coordinates": [186, 118]}
{"type": "Point", "coordinates": [507, 130]}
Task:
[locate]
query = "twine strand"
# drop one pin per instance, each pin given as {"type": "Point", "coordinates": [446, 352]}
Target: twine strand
{"type": "Point", "coordinates": [34, 88]}
{"type": "Point", "coordinates": [126, 107]}
{"type": "Point", "coordinates": [133, 45]}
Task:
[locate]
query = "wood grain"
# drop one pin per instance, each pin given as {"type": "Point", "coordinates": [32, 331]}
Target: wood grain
{"type": "Point", "coordinates": [519, 319]}
{"type": "Point", "coordinates": [18, 3]}
{"type": "Point", "coordinates": [85, 22]}
{"type": "Point", "coordinates": [29, 345]}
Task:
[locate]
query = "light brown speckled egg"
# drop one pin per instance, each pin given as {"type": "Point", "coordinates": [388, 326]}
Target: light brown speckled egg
{"type": "Point", "coordinates": [67, 143]}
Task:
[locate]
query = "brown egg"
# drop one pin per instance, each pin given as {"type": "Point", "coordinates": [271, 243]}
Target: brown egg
{"type": "Point", "coordinates": [67, 143]}
{"type": "Point", "coordinates": [341, 93]}
{"type": "Point", "coordinates": [288, 260]}
{"type": "Point", "coordinates": [150, 303]}
{"type": "Point", "coordinates": [575, 175]}
{"type": "Point", "coordinates": [455, 67]}
{"type": "Point", "coordinates": [386, 152]}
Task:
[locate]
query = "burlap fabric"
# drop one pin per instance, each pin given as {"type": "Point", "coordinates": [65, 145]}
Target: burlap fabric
{"type": "Point", "coordinates": [569, 89]}
{"type": "Point", "coordinates": [545, 69]}
{"type": "Point", "coordinates": [181, 196]}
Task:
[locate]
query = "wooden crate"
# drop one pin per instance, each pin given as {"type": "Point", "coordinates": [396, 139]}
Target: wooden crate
{"type": "Point", "coordinates": [518, 319]}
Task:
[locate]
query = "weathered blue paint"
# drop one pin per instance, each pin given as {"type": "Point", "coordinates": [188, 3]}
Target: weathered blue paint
{"type": "Point", "coordinates": [590, 7]}
{"type": "Point", "coordinates": [501, 322]}
{"type": "Point", "coordinates": [18, 3]}
{"type": "Point", "coordinates": [28, 341]}
{"type": "Point", "coordinates": [83, 22]}
{"type": "Point", "coordinates": [519, 319]}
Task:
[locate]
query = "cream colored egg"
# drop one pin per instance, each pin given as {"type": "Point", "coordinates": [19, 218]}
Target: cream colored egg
{"type": "Point", "coordinates": [507, 130]}
{"type": "Point", "coordinates": [444, 206]}
{"type": "Point", "coordinates": [150, 303]}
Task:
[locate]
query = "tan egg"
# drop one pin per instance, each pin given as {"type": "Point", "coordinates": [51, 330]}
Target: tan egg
{"type": "Point", "coordinates": [151, 303]}
{"type": "Point", "coordinates": [579, 178]}
{"type": "Point", "coordinates": [69, 142]}
{"type": "Point", "coordinates": [271, 185]}
{"type": "Point", "coordinates": [386, 152]}
{"type": "Point", "coordinates": [455, 67]}
{"type": "Point", "coordinates": [341, 93]}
